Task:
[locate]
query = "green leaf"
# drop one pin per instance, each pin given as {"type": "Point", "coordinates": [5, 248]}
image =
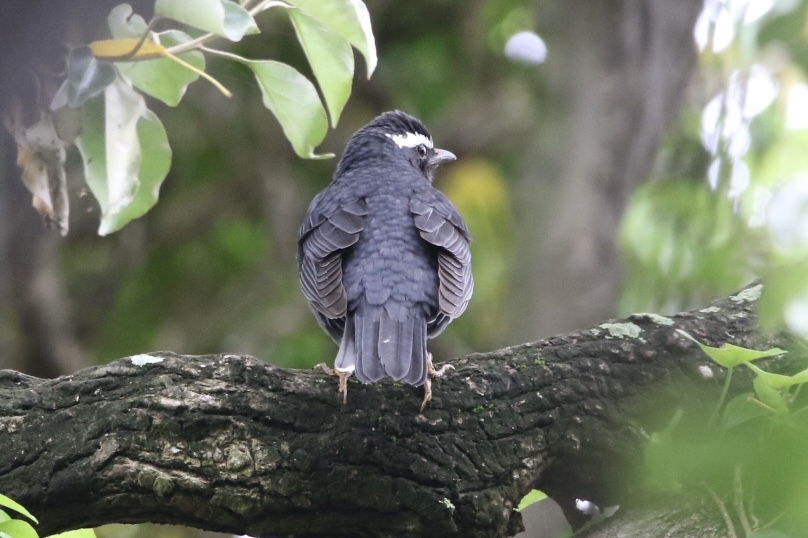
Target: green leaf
{"type": "Point", "coordinates": [126, 155]}
{"type": "Point", "coordinates": [293, 99]}
{"type": "Point", "coordinates": [740, 410]}
{"type": "Point", "coordinates": [4, 516]}
{"type": "Point", "coordinates": [331, 60]}
{"type": "Point", "coordinates": [17, 528]}
{"type": "Point", "coordinates": [532, 497]}
{"type": "Point", "coordinates": [769, 395]}
{"type": "Point", "coordinates": [86, 76]}
{"type": "Point", "coordinates": [238, 21]}
{"type": "Point", "coordinates": [17, 507]}
{"type": "Point", "coordinates": [78, 533]}
{"type": "Point", "coordinates": [162, 78]}
{"type": "Point", "coordinates": [220, 17]}
{"type": "Point", "coordinates": [729, 355]}
{"type": "Point", "coordinates": [778, 381]}
{"type": "Point", "coordinates": [122, 23]}
{"type": "Point", "coordinates": [349, 19]}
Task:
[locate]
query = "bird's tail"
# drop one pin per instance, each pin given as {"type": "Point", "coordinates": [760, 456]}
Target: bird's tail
{"type": "Point", "coordinates": [383, 346]}
{"type": "Point", "coordinates": [346, 356]}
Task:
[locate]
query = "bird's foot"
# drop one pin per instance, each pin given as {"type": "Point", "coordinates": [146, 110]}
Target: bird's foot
{"type": "Point", "coordinates": [343, 379]}
{"type": "Point", "coordinates": [432, 373]}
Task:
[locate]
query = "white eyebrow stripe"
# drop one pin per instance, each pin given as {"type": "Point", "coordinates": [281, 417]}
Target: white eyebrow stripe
{"type": "Point", "coordinates": [410, 140]}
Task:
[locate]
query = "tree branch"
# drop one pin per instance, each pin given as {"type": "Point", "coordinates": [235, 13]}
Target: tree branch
{"type": "Point", "coordinates": [229, 443]}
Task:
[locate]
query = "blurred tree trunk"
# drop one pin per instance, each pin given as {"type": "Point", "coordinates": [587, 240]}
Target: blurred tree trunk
{"type": "Point", "coordinates": [37, 320]}
{"type": "Point", "coordinates": [617, 72]}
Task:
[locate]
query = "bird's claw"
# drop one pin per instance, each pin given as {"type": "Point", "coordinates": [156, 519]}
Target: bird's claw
{"type": "Point", "coordinates": [432, 373]}
{"type": "Point", "coordinates": [343, 379]}
{"type": "Point", "coordinates": [343, 385]}
{"type": "Point", "coordinates": [325, 368]}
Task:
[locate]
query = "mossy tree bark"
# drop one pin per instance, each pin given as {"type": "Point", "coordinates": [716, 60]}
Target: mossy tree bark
{"type": "Point", "coordinates": [229, 443]}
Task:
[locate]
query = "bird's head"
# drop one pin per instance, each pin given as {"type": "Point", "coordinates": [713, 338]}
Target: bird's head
{"type": "Point", "coordinates": [395, 136]}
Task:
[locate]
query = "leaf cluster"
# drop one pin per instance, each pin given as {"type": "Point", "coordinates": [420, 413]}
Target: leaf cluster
{"type": "Point", "coordinates": [745, 457]}
{"type": "Point", "coordinates": [101, 104]}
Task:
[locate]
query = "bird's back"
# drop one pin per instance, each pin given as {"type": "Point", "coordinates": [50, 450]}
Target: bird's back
{"type": "Point", "coordinates": [384, 257]}
{"type": "Point", "coordinates": [391, 265]}
{"type": "Point", "coordinates": [391, 281]}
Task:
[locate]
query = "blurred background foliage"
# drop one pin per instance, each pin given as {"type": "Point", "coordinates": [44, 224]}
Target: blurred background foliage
{"type": "Point", "coordinates": [630, 171]}
{"type": "Point", "coordinates": [212, 268]}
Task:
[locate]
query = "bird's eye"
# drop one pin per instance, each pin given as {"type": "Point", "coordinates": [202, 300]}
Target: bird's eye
{"type": "Point", "coordinates": [421, 149]}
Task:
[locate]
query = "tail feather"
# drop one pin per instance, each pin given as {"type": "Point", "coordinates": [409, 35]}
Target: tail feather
{"type": "Point", "coordinates": [396, 345]}
{"type": "Point", "coordinates": [346, 356]}
{"type": "Point", "coordinates": [378, 345]}
{"type": "Point", "coordinates": [368, 364]}
{"type": "Point", "coordinates": [417, 372]}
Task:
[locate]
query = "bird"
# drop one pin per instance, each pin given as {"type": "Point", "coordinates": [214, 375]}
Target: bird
{"type": "Point", "coordinates": [384, 258]}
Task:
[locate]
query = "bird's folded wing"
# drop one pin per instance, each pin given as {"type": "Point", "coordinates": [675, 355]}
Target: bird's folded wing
{"type": "Point", "coordinates": [441, 225]}
{"type": "Point", "coordinates": [323, 238]}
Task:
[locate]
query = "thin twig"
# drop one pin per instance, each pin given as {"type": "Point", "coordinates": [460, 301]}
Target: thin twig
{"type": "Point", "coordinates": [202, 74]}
{"type": "Point", "coordinates": [223, 54]}
{"type": "Point", "coordinates": [724, 513]}
{"type": "Point", "coordinates": [738, 498]}
{"type": "Point", "coordinates": [720, 403]}
{"type": "Point", "coordinates": [131, 54]}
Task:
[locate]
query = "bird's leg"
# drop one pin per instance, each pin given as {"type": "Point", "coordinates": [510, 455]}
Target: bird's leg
{"type": "Point", "coordinates": [343, 379]}
{"type": "Point", "coordinates": [427, 393]}
{"type": "Point", "coordinates": [431, 373]}
{"type": "Point", "coordinates": [343, 385]}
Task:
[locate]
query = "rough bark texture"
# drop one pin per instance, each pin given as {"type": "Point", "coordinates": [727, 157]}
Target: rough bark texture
{"type": "Point", "coordinates": [229, 443]}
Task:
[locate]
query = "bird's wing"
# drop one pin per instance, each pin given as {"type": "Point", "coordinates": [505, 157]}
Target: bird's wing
{"type": "Point", "coordinates": [322, 240]}
{"type": "Point", "coordinates": [440, 224]}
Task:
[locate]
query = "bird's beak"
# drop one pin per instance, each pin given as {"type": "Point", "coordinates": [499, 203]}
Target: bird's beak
{"type": "Point", "coordinates": [440, 156]}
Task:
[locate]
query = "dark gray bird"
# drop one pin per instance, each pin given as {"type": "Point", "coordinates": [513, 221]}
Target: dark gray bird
{"type": "Point", "coordinates": [384, 257]}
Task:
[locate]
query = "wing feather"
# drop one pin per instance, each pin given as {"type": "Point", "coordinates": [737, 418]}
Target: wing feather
{"type": "Point", "coordinates": [322, 242]}
{"type": "Point", "coordinates": [441, 225]}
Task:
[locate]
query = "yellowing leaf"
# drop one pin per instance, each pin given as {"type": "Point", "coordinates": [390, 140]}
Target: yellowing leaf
{"type": "Point", "coordinates": [124, 49]}
{"type": "Point", "coordinates": [163, 78]}
{"type": "Point", "coordinates": [87, 76]}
